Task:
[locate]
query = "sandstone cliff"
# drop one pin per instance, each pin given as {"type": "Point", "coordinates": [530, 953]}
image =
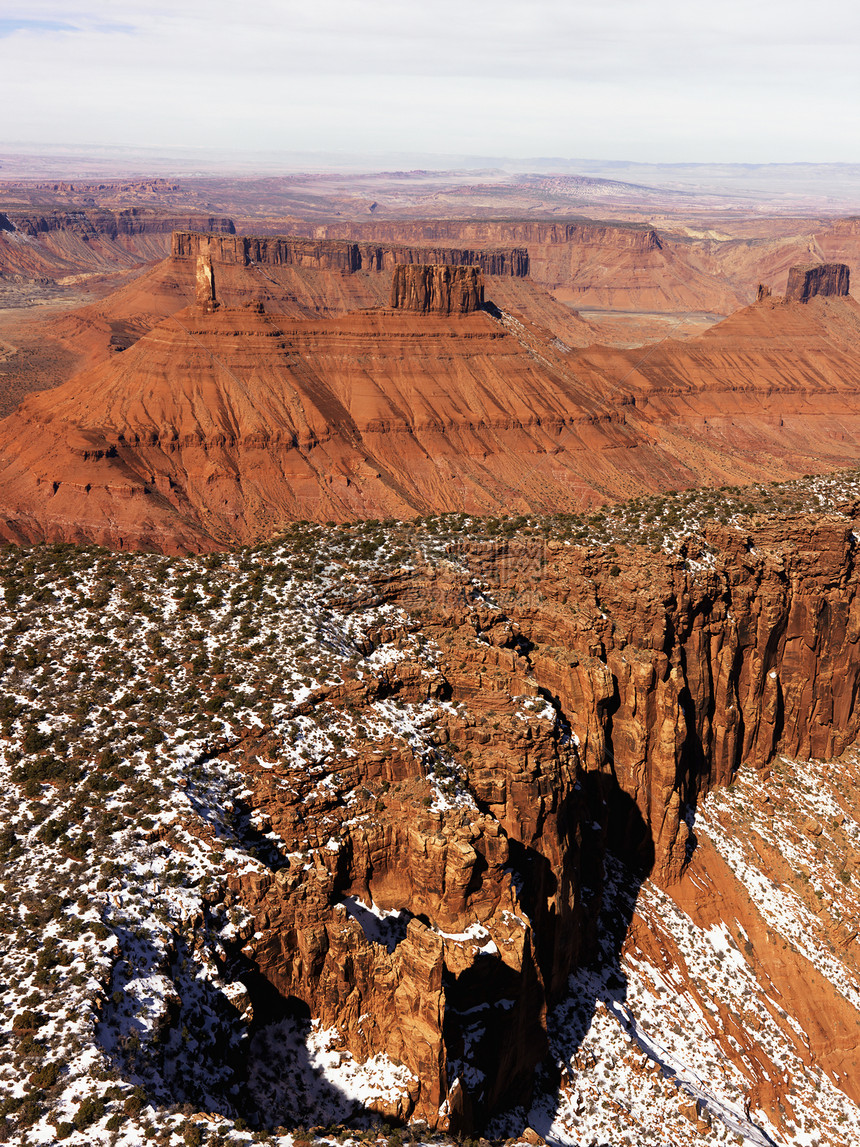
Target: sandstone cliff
{"type": "Point", "coordinates": [340, 255]}
{"type": "Point", "coordinates": [592, 700]}
{"type": "Point", "coordinates": [102, 223]}
{"type": "Point", "coordinates": [827, 279]}
{"type": "Point", "coordinates": [221, 427]}
{"type": "Point", "coordinates": [41, 247]}
{"type": "Point", "coordinates": [388, 806]}
{"type": "Point", "coordinates": [205, 289]}
{"type": "Point", "coordinates": [483, 233]}
{"type": "Point", "coordinates": [435, 289]}
{"type": "Point", "coordinates": [584, 263]}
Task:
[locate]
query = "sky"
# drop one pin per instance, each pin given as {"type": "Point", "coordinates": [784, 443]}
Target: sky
{"type": "Point", "coordinates": [743, 81]}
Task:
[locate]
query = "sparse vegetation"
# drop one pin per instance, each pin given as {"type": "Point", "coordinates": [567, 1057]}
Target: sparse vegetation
{"type": "Point", "coordinates": [128, 684]}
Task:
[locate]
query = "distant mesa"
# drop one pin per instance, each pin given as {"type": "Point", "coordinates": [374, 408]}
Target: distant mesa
{"type": "Point", "coordinates": [104, 223]}
{"type": "Point", "coordinates": [437, 289]}
{"type": "Point", "coordinates": [828, 279]}
{"type": "Point", "coordinates": [342, 255]}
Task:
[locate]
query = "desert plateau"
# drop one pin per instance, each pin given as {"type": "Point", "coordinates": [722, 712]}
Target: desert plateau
{"type": "Point", "coordinates": [429, 589]}
{"type": "Point", "coordinates": [430, 669]}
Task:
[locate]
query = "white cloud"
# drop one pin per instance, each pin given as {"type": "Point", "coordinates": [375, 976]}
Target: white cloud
{"type": "Point", "coordinates": [657, 80]}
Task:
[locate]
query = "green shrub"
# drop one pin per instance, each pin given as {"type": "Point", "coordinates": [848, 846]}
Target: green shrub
{"type": "Point", "coordinates": [27, 1020]}
{"type": "Point", "coordinates": [134, 1104]}
{"type": "Point", "coordinates": [192, 1135]}
{"type": "Point", "coordinates": [90, 1110]}
{"type": "Point", "coordinates": [46, 1077]}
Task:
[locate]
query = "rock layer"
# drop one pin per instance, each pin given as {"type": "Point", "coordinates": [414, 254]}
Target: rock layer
{"type": "Point", "coordinates": [103, 223]}
{"type": "Point", "coordinates": [221, 427]}
{"type": "Point", "coordinates": [584, 263]}
{"type": "Point", "coordinates": [435, 289]}
{"type": "Point", "coordinates": [827, 279]}
{"type": "Point", "coordinates": [591, 700]}
{"type": "Point", "coordinates": [341, 255]}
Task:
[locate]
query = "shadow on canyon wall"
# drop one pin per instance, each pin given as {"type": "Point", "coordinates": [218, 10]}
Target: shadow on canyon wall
{"type": "Point", "coordinates": [613, 868]}
{"type": "Point", "coordinates": [181, 1038]}
{"type": "Point", "coordinates": [178, 1037]}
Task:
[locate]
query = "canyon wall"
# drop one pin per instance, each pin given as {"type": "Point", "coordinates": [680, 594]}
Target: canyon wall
{"type": "Point", "coordinates": [585, 264]}
{"type": "Point", "coordinates": [435, 289]}
{"type": "Point", "coordinates": [484, 232]}
{"type": "Point", "coordinates": [591, 697]}
{"type": "Point", "coordinates": [111, 224]}
{"type": "Point", "coordinates": [218, 428]}
{"type": "Point", "coordinates": [828, 279]}
{"type": "Point", "coordinates": [340, 255]}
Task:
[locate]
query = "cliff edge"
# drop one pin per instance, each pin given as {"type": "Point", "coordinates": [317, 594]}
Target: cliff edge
{"type": "Point", "coordinates": [828, 279]}
{"type": "Point", "coordinates": [437, 289]}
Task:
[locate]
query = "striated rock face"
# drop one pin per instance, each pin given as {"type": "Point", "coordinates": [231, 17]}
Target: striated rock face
{"type": "Point", "coordinates": [341, 255]}
{"type": "Point", "coordinates": [828, 279]}
{"type": "Point", "coordinates": [111, 224]}
{"type": "Point", "coordinates": [585, 264]}
{"type": "Point", "coordinates": [435, 289]}
{"type": "Point", "coordinates": [217, 428]}
{"type": "Point", "coordinates": [38, 247]}
{"type": "Point", "coordinates": [481, 233]}
{"type": "Point", "coordinates": [590, 700]}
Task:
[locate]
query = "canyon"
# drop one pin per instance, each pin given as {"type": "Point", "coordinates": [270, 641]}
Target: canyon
{"type": "Point", "coordinates": [505, 786]}
{"type": "Point", "coordinates": [424, 705]}
{"type": "Point", "coordinates": [638, 708]}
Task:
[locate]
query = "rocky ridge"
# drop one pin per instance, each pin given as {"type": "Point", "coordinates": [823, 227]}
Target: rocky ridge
{"type": "Point", "coordinates": [584, 263]}
{"type": "Point", "coordinates": [435, 289]}
{"type": "Point", "coordinates": [92, 223]}
{"type": "Point", "coordinates": [43, 250]}
{"type": "Point", "coordinates": [342, 256]}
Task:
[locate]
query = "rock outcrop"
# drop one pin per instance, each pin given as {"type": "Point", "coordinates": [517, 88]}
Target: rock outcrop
{"type": "Point", "coordinates": [592, 700]}
{"type": "Point", "coordinates": [103, 223]}
{"type": "Point", "coordinates": [483, 233]}
{"type": "Point", "coordinates": [45, 249]}
{"type": "Point", "coordinates": [205, 292]}
{"type": "Point", "coordinates": [340, 255]}
{"type": "Point", "coordinates": [830, 280]}
{"type": "Point", "coordinates": [437, 289]}
{"type": "Point", "coordinates": [585, 264]}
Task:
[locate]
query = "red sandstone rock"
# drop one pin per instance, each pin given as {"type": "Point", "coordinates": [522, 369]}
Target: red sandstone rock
{"type": "Point", "coordinates": [206, 300]}
{"type": "Point", "coordinates": [341, 255]}
{"type": "Point", "coordinates": [440, 290]}
{"type": "Point", "coordinates": [220, 427]}
{"type": "Point", "coordinates": [585, 264]}
{"type": "Point", "coordinates": [669, 684]}
{"type": "Point", "coordinates": [828, 279]}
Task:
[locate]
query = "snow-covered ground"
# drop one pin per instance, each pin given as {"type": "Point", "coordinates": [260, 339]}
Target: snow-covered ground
{"type": "Point", "coordinates": [667, 1045]}
{"type": "Point", "coordinates": [128, 681]}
